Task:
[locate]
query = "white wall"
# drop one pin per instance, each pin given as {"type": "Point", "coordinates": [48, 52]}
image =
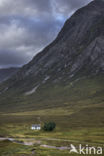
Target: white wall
{"type": "Point", "coordinates": [34, 128]}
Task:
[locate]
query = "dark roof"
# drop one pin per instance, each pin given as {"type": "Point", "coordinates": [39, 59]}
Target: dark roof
{"type": "Point", "coordinates": [36, 125]}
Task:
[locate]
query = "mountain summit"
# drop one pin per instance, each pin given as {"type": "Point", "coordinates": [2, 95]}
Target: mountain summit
{"type": "Point", "coordinates": [77, 52]}
{"type": "Point", "coordinates": [78, 48]}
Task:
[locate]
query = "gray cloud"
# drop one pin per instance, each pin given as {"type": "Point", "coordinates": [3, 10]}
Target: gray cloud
{"type": "Point", "coordinates": [27, 26]}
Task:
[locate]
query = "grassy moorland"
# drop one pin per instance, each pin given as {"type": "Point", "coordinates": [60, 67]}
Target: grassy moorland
{"type": "Point", "coordinates": [11, 149]}
{"type": "Point", "coordinates": [60, 137]}
{"type": "Point", "coordinates": [86, 92]}
{"type": "Point", "coordinates": [77, 108]}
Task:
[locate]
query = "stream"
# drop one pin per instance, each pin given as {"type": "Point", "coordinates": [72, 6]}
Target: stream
{"type": "Point", "coordinates": [31, 142]}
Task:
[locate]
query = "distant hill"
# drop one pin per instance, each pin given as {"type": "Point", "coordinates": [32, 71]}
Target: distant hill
{"type": "Point", "coordinates": [6, 73]}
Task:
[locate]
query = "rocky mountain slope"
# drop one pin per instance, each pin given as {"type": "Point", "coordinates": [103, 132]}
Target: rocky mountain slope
{"type": "Point", "coordinates": [6, 73]}
{"type": "Point", "coordinates": [76, 54]}
{"type": "Point", "coordinates": [78, 48]}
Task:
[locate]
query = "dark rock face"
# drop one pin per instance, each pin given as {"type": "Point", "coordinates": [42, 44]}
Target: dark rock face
{"type": "Point", "coordinates": [7, 73]}
{"type": "Point", "coordinates": [78, 48]}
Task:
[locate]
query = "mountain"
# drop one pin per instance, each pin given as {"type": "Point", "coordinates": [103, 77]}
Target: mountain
{"type": "Point", "coordinates": [78, 48]}
{"type": "Point", "coordinates": [67, 73]}
{"type": "Point", "coordinates": [6, 73]}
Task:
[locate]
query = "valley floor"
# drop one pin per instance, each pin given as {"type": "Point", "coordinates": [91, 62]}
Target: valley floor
{"type": "Point", "coordinates": [39, 143]}
{"type": "Point", "coordinates": [76, 108]}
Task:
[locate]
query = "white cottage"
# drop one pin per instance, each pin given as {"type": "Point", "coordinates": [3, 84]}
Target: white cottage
{"type": "Point", "coordinates": [36, 127]}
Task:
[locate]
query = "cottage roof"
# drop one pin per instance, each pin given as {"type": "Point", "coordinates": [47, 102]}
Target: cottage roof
{"type": "Point", "coordinates": [36, 125]}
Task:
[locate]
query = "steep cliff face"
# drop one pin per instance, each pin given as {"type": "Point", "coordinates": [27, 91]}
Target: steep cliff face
{"type": "Point", "coordinates": [77, 50]}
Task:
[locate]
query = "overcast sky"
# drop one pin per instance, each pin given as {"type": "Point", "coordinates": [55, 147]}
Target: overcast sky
{"type": "Point", "coordinates": [27, 26]}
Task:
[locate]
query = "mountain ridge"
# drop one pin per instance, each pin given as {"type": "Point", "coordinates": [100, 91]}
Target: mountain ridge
{"type": "Point", "coordinates": [80, 32]}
